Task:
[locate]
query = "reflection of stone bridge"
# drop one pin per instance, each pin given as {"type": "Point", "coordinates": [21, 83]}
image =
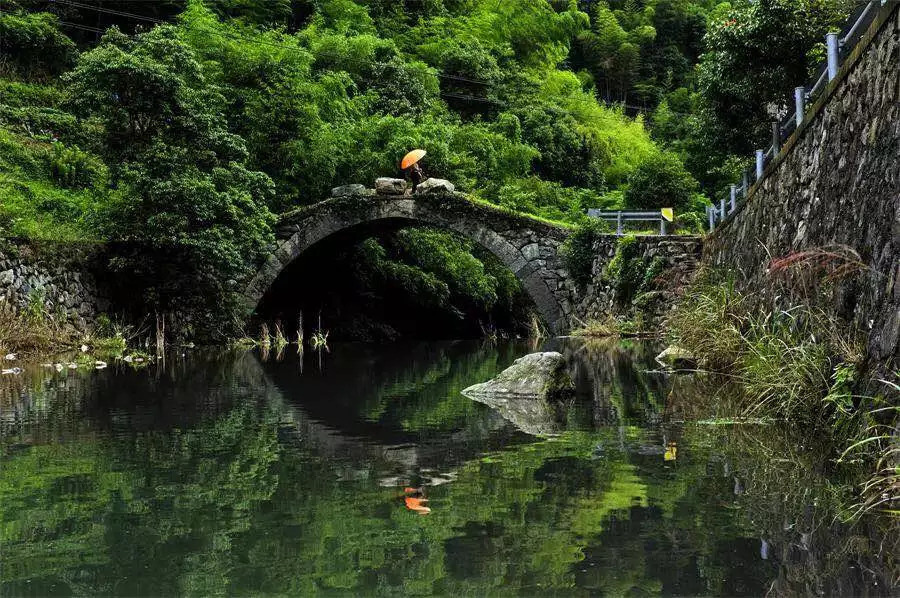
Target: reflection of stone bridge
{"type": "Point", "coordinates": [529, 247]}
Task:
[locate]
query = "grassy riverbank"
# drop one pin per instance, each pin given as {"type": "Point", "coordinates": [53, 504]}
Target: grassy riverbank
{"type": "Point", "coordinates": [33, 332]}
{"type": "Point", "coordinates": [805, 367]}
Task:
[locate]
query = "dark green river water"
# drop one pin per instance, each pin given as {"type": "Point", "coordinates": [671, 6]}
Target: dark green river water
{"type": "Point", "coordinates": [364, 471]}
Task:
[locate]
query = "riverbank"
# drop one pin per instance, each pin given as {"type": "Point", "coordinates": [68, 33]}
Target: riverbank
{"type": "Point", "coordinates": [803, 366]}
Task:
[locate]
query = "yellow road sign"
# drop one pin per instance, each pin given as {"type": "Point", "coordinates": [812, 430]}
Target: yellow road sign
{"type": "Point", "coordinates": [668, 214]}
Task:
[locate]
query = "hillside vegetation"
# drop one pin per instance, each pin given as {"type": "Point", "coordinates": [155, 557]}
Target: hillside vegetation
{"type": "Point", "coordinates": [187, 126]}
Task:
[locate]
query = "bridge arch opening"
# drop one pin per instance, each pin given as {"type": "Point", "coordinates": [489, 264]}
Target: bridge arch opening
{"type": "Point", "coordinates": [302, 270]}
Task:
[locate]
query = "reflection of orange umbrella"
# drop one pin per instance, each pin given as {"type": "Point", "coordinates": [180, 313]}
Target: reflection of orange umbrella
{"type": "Point", "coordinates": [411, 158]}
{"type": "Point", "coordinates": [417, 505]}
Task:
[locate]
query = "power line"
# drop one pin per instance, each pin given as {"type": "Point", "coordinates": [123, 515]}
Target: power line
{"type": "Point", "coordinates": [82, 27]}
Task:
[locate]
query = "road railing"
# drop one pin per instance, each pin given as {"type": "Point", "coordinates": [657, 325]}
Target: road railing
{"type": "Point", "coordinates": [838, 46]}
{"type": "Point", "coordinates": [620, 217]}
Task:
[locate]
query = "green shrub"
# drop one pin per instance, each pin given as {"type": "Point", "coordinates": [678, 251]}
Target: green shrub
{"type": "Point", "coordinates": [630, 273]}
{"type": "Point", "coordinates": [34, 43]}
{"type": "Point", "coordinates": [661, 181]}
{"type": "Point", "coordinates": [20, 154]}
{"type": "Point", "coordinates": [796, 364]}
{"type": "Point", "coordinates": [785, 369]}
{"type": "Point", "coordinates": [47, 123]}
{"type": "Point", "coordinates": [73, 168]}
{"type": "Point", "coordinates": [18, 94]}
{"type": "Point", "coordinates": [579, 251]}
{"type": "Point", "coordinates": [710, 319]}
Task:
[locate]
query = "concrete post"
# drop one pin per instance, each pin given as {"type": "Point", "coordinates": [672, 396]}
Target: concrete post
{"type": "Point", "coordinates": [619, 223]}
{"type": "Point", "coordinates": [832, 44]}
{"type": "Point", "coordinates": [711, 213]}
{"type": "Point", "coordinates": [662, 226]}
{"type": "Point", "coordinates": [722, 209]}
{"type": "Point", "coordinates": [733, 198]}
{"type": "Point", "coordinates": [799, 104]}
{"type": "Point", "coordinates": [760, 163]}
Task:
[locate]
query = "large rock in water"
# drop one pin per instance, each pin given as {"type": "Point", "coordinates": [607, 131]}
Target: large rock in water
{"type": "Point", "coordinates": [520, 393]}
{"type": "Point", "coordinates": [535, 376]}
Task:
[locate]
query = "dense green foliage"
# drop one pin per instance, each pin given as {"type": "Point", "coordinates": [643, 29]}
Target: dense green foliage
{"type": "Point", "coordinates": [190, 134]}
{"type": "Point", "coordinates": [661, 182]}
{"type": "Point", "coordinates": [579, 251]}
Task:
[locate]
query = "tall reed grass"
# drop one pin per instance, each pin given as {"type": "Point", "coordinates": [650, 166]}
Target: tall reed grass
{"type": "Point", "coordinates": [801, 365]}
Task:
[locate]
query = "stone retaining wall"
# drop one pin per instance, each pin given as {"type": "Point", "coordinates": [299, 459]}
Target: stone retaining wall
{"type": "Point", "coordinates": [56, 278]}
{"type": "Point", "coordinates": [836, 186]}
{"type": "Point", "coordinates": [678, 259]}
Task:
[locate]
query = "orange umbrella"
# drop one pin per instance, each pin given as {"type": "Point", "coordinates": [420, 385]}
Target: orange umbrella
{"type": "Point", "coordinates": [411, 158]}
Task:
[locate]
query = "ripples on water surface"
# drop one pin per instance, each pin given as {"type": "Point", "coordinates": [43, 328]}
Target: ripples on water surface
{"type": "Point", "coordinates": [365, 471]}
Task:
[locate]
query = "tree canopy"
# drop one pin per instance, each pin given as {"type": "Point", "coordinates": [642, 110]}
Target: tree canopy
{"type": "Point", "coordinates": [188, 123]}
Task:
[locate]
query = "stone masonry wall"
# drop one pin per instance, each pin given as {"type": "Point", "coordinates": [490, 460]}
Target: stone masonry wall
{"type": "Point", "coordinates": [836, 184]}
{"type": "Point", "coordinates": [678, 259]}
{"type": "Point", "coordinates": [57, 276]}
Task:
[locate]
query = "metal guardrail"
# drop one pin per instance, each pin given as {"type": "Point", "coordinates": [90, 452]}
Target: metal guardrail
{"type": "Point", "coordinates": [620, 217]}
{"type": "Point", "coordinates": [839, 45]}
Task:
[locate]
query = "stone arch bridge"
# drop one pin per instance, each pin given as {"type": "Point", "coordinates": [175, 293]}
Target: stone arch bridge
{"type": "Point", "coordinates": [528, 246]}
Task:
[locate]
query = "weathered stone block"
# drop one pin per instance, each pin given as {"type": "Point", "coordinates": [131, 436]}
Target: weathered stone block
{"type": "Point", "coordinates": [389, 186]}
{"type": "Point", "coordinates": [531, 251]}
{"type": "Point", "coordinates": [349, 190]}
{"type": "Point", "coordinates": [435, 186]}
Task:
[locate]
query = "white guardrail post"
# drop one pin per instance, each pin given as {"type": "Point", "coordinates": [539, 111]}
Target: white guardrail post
{"type": "Point", "coordinates": [831, 43]}
{"type": "Point", "coordinates": [799, 103]}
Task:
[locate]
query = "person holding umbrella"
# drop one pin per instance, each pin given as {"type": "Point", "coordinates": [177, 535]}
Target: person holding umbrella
{"type": "Point", "coordinates": [411, 168]}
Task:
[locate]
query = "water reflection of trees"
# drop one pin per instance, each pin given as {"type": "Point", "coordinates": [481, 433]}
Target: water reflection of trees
{"type": "Point", "coordinates": [619, 378]}
{"type": "Point", "coordinates": [231, 497]}
{"type": "Point", "coordinates": [795, 504]}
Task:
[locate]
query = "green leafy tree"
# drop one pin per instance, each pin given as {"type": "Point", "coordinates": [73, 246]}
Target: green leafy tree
{"type": "Point", "coordinates": [756, 55]}
{"type": "Point", "coordinates": [191, 200]}
{"type": "Point", "coordinates": [661, 182]}
{"type": "Point", "coordinates": [33, 43]}
{"type": "Point", "coordinates": [403, 88]}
